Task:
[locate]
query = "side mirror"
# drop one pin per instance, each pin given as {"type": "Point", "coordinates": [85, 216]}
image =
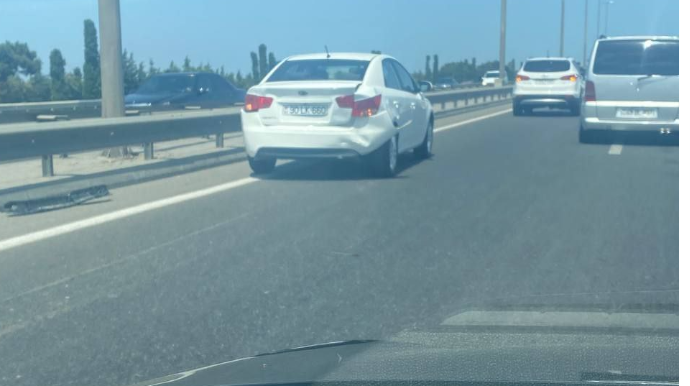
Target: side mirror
{"type": "Point", "coordinates": [424, 86]}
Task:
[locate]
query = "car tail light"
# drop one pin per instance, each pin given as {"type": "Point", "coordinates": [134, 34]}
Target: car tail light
{"type": "Point", "coordinates": [346, 101]}
{"type": "Point", "coordinates": [571, 78]}
{"type": "Point", "coordinates": [256, 103]}
{"type": "Point", "coordinates": [520, 78]}
{"type": "Point", "coordinates": [362, 108]}
{"type": "Point", "coordinates": [590, 92]}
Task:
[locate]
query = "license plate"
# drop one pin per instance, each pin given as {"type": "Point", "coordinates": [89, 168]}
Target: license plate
{"type": "Point", "coordinates": [306, 110]}
{"type": "Point", "coordinates": [636, 113]}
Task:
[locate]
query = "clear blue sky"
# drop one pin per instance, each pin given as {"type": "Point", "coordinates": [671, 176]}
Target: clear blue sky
{"type": "Point", "coordinates": [223, 32]}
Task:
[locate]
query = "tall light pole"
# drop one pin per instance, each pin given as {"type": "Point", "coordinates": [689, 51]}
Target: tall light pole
{"type": "Point", "coordinates": [606, 22]}
{"type": "Point", "coordinates": [562, 27]}
{"type": "Point", "coordinates": [112, 79]}
{"type": "Point", "coordinates": [502, 48]}
{"type": "Point", "coordinates": [584, 50]}
{"type": "Point", "coordinates": [112, 83]}
{"type": "Point", "coordinates": [598, 16]}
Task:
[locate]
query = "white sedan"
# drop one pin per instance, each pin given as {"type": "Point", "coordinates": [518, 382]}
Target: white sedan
{"type": "Point", "coordinates": [337, 105]}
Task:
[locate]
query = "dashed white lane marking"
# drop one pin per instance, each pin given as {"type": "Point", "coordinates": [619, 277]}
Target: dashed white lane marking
{"type": "Point", "coordinates": [119, 214]}
{"type": "Point", "coordinates": [615, 149]}
{"type": "Point", "coordinates": [467, 122]}
{"type": "Point", "coordinates": [127, 212]}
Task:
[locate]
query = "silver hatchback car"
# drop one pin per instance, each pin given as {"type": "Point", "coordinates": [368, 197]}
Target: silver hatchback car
{"type": "Point", "coordinates": [632, 84]}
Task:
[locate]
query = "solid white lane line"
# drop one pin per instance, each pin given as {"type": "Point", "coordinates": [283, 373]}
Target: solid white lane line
{"type": "Point", "coordinates": [467, 122]}
{"type": "Point", "coordinates": [127, 212]}
{"type": "Point", "coordinates": [616, 149]}
{"type": "Point", "coordinates": [119, 214]}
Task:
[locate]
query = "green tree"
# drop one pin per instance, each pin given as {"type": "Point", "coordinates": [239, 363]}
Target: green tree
{"type": "Point", "coordinates": [263, 61]}
{"type": "Point", "coordinates": [172, 67]}
{"type": "Point", "coordinates": [129, 65]}
{"type": "Point", "coordinates": [17, 59]}
{"type": "Point", "coordinates": [435, 71]}
{"type": "Point", "coordinates": [206, 67]}
{"type": "Point", "coordinates": [141, 73]}
{"type": "Point", "coordinates": [239, 81]}
{"type": "Point", "coordinates": [58, 87]}
{"type": "Point", "coordinates": [271, 61]}
{"type": "Point", "coordinates": [152, 69]}
{"type": "Point", "coordinates": [255, 66]}
{"type": "Point", "coordinates": [13, 89]}
{"type": "Point", "coordinates": [38, 88]}
{"type": "Point", "coordinates": [92, 62]}
{"type": "Point", "coordinates": [427, 68]}
{"type": "Point", "coordinates": [74, 84]}
{"type": "Point", "coordinates": [187, 65]}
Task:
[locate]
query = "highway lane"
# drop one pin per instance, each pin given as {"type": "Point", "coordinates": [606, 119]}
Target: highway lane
{"type": "Point", "coordinates": [320, 252]}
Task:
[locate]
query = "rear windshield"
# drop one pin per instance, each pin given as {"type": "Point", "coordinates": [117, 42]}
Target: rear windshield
{"type": "Point", "coordinates": [636, 57]}
{"type": "Point", "coordinates": [491, 75]}
{"type": "Point", "coordinates": [547, 66]}
{"type": "Point", "coordinates": [320, 69]}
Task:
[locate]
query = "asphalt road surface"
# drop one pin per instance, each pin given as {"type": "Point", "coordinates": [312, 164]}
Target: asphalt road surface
{"type": "Point", "coordinates": [507, 207]}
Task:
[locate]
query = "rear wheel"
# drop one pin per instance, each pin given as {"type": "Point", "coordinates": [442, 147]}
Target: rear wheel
{"type": "Point", "coordinates": [262, 165]}
{"type": "Point", "coordinates": [424, 150]}
{"type": "Point", "coordinates": [575, 109]}
{"type": "Point", "coordinates": [591, 136]}
{"type": "Point", "coordinates": [517, 111]}
{"type": "Point", "coordinates": [384, 160]}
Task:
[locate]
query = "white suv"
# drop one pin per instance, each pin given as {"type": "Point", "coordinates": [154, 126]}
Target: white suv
{"type": "Point", "coordinates": [548, 82]}
{"type": "Point", "coordinates": [337, 106]}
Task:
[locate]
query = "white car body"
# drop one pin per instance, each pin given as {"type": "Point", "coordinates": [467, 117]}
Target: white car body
{"type": "Point", "coordinates": [333, 132]}
{"type": "Point", "coordinates": [559, 84]}
{"type": "Point", "coordinates": [622, 95]}
{"type": "Point", "coordinates": [490, 77]}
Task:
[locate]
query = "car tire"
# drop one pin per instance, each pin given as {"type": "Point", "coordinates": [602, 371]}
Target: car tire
{"type": "Point", "coordinates": [590, 136]}
{"type": "Point", "coordinates": [384, 160]}
{"type": "Point", "coordinates": [424, 150]}
{"type": "Point", "coordinates": [575, 110]}
{"type": "Point", "coordinates": [262, 165]}
{"type": "Point", "coordinates": [517, 110]}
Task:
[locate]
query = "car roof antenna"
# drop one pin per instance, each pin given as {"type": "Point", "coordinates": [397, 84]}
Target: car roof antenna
{"type": "Point", "coordinates": [328, 54]}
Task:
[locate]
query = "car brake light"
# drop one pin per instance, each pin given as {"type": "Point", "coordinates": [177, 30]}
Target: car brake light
{"type": "Point", "coordinates": [362, 108]}
{"type": "Point", "coordinates": [520, 78]}
{"type": "Point", "coordinates": [256, 103]}
{"type": "Point", "coordinates": [590, 92]}
{"type": "Point", "coordinates": [346, 101]}
{"type": "Point", "coordinates": [571, 78]}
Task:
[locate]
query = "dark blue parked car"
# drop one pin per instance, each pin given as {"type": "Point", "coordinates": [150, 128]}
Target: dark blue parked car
{"type": "Point", "coordinates": [186, 90]}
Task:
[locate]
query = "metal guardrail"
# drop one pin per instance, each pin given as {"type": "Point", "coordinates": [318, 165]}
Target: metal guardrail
{"type": "Point", "coordinates": [32, 140]}
{"type": "Point", "coordinates": [463, 98]}
{"type": "Point", "coordinates": [37, 111]}
{"type": "Point", "coordinates": [81, 109]}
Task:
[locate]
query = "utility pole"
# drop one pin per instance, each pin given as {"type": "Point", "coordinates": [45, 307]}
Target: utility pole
{"type": "Point", "coordinates": [502, 48]}
{"type": "Point", "coordinates": [562, 27]}
{"type": "Point", "coordinates": [112, 81]}
{"type": "Point", "coordinates": [606, 21]}
{"type": "Point", "coordinates": [598, 16]}
{"type": "Point", "coordinates": [584, 50]}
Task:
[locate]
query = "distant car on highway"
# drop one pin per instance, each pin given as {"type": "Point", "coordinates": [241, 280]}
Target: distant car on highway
{"type": "Point", "coordinates": [490, 77]}
{"type": "Point", "coordinates": [446, 83]}
{"type": "Point", "coordinates": [632, 84]}
{"type": "Point", "coordinates": [338, 105]}
{"type": "Point", "coordinates": [547, 82]}
{"type": "Point", "coordinates": [187, 89]}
